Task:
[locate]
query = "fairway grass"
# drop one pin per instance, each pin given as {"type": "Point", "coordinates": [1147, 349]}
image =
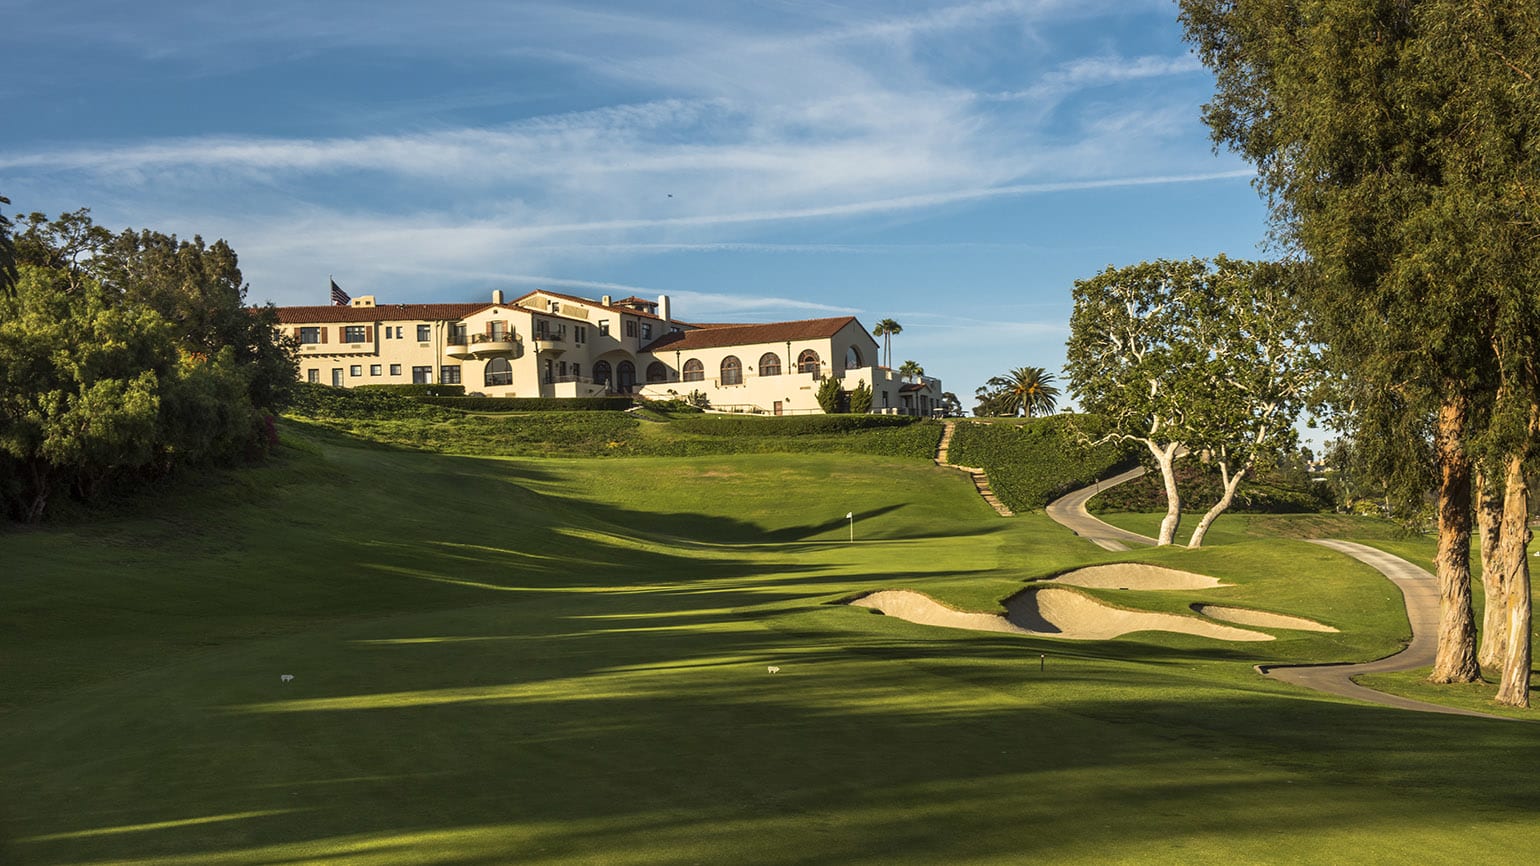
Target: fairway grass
{"type": "Point", "coordinates": [567, 661]}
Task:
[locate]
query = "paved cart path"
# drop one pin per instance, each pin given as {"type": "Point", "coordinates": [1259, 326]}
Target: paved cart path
{"type": "Point", "coordinates": [1418, 588]}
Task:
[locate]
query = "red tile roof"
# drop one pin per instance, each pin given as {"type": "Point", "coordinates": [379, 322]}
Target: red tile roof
{"type": "Point", "coordinates": [380, 313]}
{"type": "Point", "coordinates": [743, 335]}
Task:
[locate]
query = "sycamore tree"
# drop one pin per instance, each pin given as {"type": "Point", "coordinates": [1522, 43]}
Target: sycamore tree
{"type": "Point", "coordinates": [1259, 370]}
{"type": "Point", "coordinates": [1397, 143]}
{"type": "Point", "coordinates": [1192, 356]}
{"type": "Point", "coordinates": [1130, 360]}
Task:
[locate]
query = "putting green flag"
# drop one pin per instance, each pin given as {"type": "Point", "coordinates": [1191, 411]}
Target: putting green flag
{"type": "Point", "coordinates": [850, 515]}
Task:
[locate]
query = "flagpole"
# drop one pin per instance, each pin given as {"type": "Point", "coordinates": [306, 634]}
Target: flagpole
{"type": "Point", "coordinates": [852, 517]}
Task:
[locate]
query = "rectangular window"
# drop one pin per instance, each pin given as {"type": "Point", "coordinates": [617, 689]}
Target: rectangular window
{"type": "Point", "coordinates": [561, 368]}
{"type": "Point", "coordinates": [577, 370]}
{"type": "Point", "coordinates": [337, 377]}
{"type": "Point", "coordinates": [630, 327]}
{"type": "Point", "coordinates": [646, 330]}
{"type": "Point", "coordinates": [385, 333]}
{"type": "Point", "coordinates": [449, 374]}
{"type": "Point", "coordinates": [604, 328]}
{"type": "Point", "coordinates": [314, 376]}
{"type": "Point", "coordinates": [424, 333]}
{"type": "Point", "coordinates": [353, 334]}
{"type": "Point", "coordinates": [374, 369]}
{"type": "Point", "coordinates": [457, 335]}
{"type": "Point", "coordinates": [395, 369]}
{"type": "Point", "coordinates": [356, 370]}
{"type": "Point", "coordinates": [580, 334]}
{"type": "Point", "coordinates": [422, 375]}
{"type": "Point", "coordinates": [310, 335]}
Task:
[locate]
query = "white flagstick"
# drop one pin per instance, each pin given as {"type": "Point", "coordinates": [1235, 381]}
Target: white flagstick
{"type": "Point", "coordinates": [851, 516]}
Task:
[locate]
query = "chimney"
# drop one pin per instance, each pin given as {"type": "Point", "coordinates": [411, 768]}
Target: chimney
{"type": "Point", "coordinates": [605, 300]}
{"type": "Point", "coordinates": [497, 296]}
{"type": "Point", "coordinates": [663, 307]}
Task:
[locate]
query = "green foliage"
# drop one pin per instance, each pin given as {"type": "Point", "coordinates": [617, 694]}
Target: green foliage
{"type": "Point", "coordinates": [699, 400]}
{"type": "Point", "coordinates": [788, 425]}
{"type": "Point", "coordinates": [911, 370]}
{"type": "Point", "coordinates": [861, 398]}
{"type": "Point", "coordinates": [1274, 490]}
{"type": "Point", "coordinates": [7, 252]}
{"type": "Point", "coordinates": [1032, 464]}
{"type": "Point", "coordinates": [532, 404]}
{"type": "Point", "coordinates": [323, 401]}
{"type": "Point", "coordinates": [831, 398]}
{"type": "Point", "coordinates": [420, 389]}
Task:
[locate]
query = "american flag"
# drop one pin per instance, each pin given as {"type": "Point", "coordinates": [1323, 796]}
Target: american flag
{"type": "Point", "coordinates": [339, 297]}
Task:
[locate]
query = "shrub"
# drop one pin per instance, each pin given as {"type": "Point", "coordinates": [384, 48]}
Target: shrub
{"type": "Point", "coordinates": [1033, 463]}
{"type": "Point", "coordinates": [324, 401]}
{"type": "Point", "coordinates": [531, 404]}
{"type": "Point", "coordinates": [416, 389]}
{"type": "Point", "coordinates": [788, 425]}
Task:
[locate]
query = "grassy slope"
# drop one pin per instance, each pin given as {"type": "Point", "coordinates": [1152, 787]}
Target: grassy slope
{"type": "Point", "coordinates": [564, 661]}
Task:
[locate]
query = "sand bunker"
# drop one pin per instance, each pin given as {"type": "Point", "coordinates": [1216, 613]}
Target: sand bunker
{"type": "Point", "coordinates": [1059, 613]}
{"type": "Point", "coordinates": [1135, 575]}
{"type": "Point", "coordinates": [1260, 618]}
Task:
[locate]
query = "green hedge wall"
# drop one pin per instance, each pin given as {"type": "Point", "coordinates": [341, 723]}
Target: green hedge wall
{"type": "Point", "coordinates": [1034, 463]}
{"type": "Point", "coordinates": [788, 425]}
{"type": "Point", "coordinates": [418, 390]}
{"type": "Point", "coordinates": [324, 401]}
{"type": "Point", "coordinates": [532, 404]}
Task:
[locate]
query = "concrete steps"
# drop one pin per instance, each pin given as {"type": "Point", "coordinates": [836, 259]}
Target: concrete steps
{"type": "Point", "coordinates": [979, 476]}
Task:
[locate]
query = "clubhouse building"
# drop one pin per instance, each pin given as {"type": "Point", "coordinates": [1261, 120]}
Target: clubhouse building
{"type": "Point", "coordinates": [547, 344]}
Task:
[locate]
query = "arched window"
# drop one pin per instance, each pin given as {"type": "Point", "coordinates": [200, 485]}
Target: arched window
{"type": "Point", "coordinates": [853, 359]}
{"type": "Point", "coordinates": [694, 371]}
{"type": "Point", "coordinates": [807, 362]}
{"type": "Point", "coordinates": [732, 370]}
{"type": "Point", "coordinates": [601, 372]}
{"type": "Point", "coordinates": [499, 372]}
{"type": "Point", "coordinates": [625, 377]}
{"type": "Point", "coordinates": [657, 372]}
{"type": "Point", "coordinates": [769, 364]}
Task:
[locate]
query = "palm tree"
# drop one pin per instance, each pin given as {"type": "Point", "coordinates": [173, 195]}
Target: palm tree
{"type": "Point", "coordinates": [886, 329]}
{"type": "Point", "coordinates": [1032, 391]}
{"type": "Point", "coordinates": [1023, 391]}
{"type": "Point", "coordinates": [911, 370]}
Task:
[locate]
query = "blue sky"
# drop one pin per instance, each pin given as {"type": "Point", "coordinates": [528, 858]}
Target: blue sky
{"type": "Point", "coordinates": [952, 165]}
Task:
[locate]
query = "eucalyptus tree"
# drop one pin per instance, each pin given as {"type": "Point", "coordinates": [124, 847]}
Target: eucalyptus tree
{"type": "Point", "coordinates": [1397, 142]}
{"type": "Point", "coordinates": [886, 329]}
{"type": "Point", "coordinates": [7, 252]}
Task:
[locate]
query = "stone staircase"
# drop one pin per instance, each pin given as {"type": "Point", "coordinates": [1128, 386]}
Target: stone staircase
{"type": "Point", "coordinates": [979, 476]}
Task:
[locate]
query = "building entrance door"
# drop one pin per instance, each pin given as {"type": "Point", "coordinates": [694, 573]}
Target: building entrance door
{"type": "Point", "coordinates": [778, 409]}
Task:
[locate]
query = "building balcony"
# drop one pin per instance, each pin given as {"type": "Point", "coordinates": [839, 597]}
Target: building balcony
{"type": "Point", "coordinates": [483, 346]}
{"type": "Point", "coordinates": [550, 344]}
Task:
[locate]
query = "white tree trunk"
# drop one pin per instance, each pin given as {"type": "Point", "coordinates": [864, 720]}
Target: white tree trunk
{"type": "Point", "coordinates": [1231, 483]}
{"type": "Point", "coordinates": [1164, 458]}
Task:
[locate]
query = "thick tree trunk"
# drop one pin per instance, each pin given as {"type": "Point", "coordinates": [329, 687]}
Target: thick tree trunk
{"type": "Point", "coordinates": [1513, 553]}
{"type": "Point", "coordinates": [1231, 483]}
{"type": "Point", "coordinates": [1494, 620]}
{"type": "Point", "coordinates": [1164, 458]}
{"type": "Point", "coordinates": [1455, 661]}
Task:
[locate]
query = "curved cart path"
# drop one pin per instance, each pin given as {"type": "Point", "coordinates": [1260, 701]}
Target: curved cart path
{"type": "Point", "coordinates": [1418, 588]}
{"type": "Point", "coordinates": [1069, 510]}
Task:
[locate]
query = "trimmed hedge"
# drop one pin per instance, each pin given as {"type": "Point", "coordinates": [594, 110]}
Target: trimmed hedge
{"type": "Point", "coordinates": [532, 404]}
{"type": "Point", "coordinates": [418, 389]}
{"type": "Point", "coordinates": [1034, 463]}
{"type": "Point", "coordinates": [324, 401]}
{"type": "Point", "coordinates": [788, 425]}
